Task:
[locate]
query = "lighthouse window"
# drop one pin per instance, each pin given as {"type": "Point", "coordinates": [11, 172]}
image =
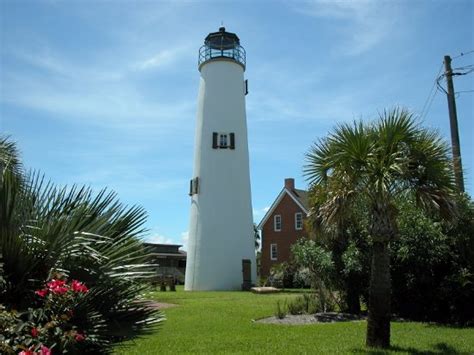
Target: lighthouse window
{"type": "Point", "coordinates": [223, 140]}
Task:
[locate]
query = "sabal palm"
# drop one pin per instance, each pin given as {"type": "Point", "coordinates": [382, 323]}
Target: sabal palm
{"type": "Point", "coordinates": [379, 162]}
{"type": "Point", "coordinates": [86, 236]}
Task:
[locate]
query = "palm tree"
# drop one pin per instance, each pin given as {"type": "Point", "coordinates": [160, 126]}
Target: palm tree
{"type": "Point", "coordinates": [90, 237]}
{"type": "Point", "coordinates": [379, 162]}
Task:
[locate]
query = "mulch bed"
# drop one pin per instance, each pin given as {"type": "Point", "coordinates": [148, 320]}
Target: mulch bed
{"type": "Point", "coordinates": [323, 317]}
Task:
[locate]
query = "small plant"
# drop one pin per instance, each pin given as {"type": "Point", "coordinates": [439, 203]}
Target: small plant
{"type": "Point", "coordinates": [304, 304]}
{"type": "Point", "coordinates": [297, 305]}
{"type": "Point", "coordinates": [281, 309]}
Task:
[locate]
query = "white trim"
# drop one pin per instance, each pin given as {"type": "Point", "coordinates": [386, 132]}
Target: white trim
{"type": "Point", "coordinates": [275, 223]}
{"type": "Point", "coordinates": [296, 221]}
{"type": "Point", "coordinates": [271, 251]}
{"type": "Point", "coordinates": [275, 204]}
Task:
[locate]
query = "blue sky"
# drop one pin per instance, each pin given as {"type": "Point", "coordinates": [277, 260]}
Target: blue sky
{"type": "Point", "coordinates": [104, 93]}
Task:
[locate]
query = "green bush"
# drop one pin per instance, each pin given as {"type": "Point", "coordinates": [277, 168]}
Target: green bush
{"type": "Point", "coordinates": [304, 304]}
{"type": "Point", "coordinates": [58, 324]}
{"type": "Point", "coordinates": [281, 309]}
{"type": "Point", "coordinates": [432, 268]}
{"type": "Point", "coordinates": [46, 230]}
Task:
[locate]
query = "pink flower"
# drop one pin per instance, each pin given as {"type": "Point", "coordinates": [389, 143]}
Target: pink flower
{"type": "Point", "coordinates": [34, 332]}
{"type": "Point", "coordinates": [45, 350]}
{"type": "Point", "coordinates": [57, 286]}
{"type": "Point", "coordinates": [80, 337]}
{"type": "Point", "coordinates": [42, 293]}
{"type": "Point", "coordinates": [28, 352]}
{"type": "Point", "coordinates": [77, 286]}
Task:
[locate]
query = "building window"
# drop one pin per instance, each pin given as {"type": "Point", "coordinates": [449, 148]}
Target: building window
{"type": "Point", "coordinates": [223, 140]}
{"type": "Point", "coordinates": [193, 186]}
{"type": "Point", "coordinates": [273, 252]}
{"type": "Point", "coordinates": [298, 221]}
{"type": "Point", "coordinates": [277, 223]}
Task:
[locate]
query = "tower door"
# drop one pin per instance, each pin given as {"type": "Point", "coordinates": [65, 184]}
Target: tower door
{"type": "Point", "coordinates": [246, 274]}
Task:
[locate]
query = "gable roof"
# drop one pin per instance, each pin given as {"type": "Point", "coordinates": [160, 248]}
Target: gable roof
{"type": "Point", "coordinates": [299, 196]}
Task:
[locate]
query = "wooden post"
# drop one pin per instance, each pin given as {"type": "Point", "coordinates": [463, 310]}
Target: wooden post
{"type": "Point", "coordinates": [453, 121]}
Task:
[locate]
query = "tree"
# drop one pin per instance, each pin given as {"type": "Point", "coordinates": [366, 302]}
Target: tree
{"type": "Point", "coordinates": [380, 161]}
{"type": "Point", "coordinates": [256, 237]}
{"type": "Point", "coordinates": [47, 232]}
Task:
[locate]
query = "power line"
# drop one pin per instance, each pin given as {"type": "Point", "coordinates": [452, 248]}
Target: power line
{"type": "Point", "coordinates": [458, 93]}
{"type": "Point", "coordinates": [463, 54]}
{"type": "Point", "coordinates": [431, 95]}
{"type": "Point", "coordinates": [440, 87]}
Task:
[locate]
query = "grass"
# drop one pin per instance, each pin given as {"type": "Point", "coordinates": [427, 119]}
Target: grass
{"type": "Point", "coordinates": [221, 322]}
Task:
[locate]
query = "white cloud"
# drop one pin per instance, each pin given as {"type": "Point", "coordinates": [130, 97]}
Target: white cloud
{"type": "Point", "coordinates": [259, 213]}
{"type": "Point", "coordinates": [164, 58]}
{"type": "Point", "coordinates": [184, 240]}
{"type": "Point", "coordinates": [159, 239]}
{"type": "Point", "coordinates": [363, 23]}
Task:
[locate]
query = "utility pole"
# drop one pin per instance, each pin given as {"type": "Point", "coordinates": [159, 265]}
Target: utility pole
{"type": "Point", "coordinates": [453, 122]}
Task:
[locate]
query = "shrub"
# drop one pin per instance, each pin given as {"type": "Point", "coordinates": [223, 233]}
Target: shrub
{"type": "Point", "coordinates": [282, 275]}
{"type": "Point", "coordinates": [89, 237]}
{"type": "Point", "coordinates": [57, 324]}
{"type": "Point", "coordinates": [281, 310]}
{"type": "Point", "coordinates": [433, 267]}
{"type": "Point", "coordinates": [304, 304]}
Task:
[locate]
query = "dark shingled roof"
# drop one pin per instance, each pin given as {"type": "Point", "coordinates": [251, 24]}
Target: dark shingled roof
{"type": "Point", "coordinates": [302, 197]}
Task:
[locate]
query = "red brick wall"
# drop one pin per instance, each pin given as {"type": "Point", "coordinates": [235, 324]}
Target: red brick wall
{"type": "Point", "coordinates": [285, 238]}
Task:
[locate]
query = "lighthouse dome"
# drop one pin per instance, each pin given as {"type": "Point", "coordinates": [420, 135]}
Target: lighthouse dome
{"type": "Point", "coordinates": [221, 45]}
{"type": "Point", "coordinates": [222, 40]}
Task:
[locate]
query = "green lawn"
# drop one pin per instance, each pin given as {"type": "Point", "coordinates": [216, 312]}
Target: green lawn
{"type": "Point", "coordinates": [221, 322]}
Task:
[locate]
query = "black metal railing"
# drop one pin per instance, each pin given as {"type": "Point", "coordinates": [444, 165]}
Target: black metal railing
{"type": "Point", "coordinates": [236, 53]}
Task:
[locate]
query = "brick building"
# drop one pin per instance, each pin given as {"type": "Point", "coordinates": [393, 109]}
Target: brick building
{"type": "Point", "coordinates": [282, 226]}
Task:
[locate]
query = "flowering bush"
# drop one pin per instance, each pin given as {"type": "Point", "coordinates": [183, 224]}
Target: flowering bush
{"type": "Point", "coordinates": [50, 327]}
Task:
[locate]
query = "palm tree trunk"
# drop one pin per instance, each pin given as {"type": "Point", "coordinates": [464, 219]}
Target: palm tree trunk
{"type": "Point", "coordinates": [378, 324]}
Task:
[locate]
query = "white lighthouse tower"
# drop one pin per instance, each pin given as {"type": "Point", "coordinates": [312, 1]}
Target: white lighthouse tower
{"type": "Point", "coordinates": [221, 247]}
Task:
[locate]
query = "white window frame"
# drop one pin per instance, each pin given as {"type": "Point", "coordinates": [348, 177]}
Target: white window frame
{"type": "Point", "coordinates": [275, 228]}
{"type": "Point", "coordinates": [273, 252]}
{"type": "Point", "coordinates": [300, 227]}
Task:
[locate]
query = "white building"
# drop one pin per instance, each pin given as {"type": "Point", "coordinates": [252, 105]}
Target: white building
{"type": "Point", "coordinates": [221, 224]}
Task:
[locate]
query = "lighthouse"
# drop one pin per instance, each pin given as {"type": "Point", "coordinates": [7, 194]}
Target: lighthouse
{"type": "Point", "coordinates": [221, 249]}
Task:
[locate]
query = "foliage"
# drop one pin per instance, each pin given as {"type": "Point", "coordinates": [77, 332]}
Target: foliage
{"type": "Point", "coordinates": [432, 270]}
{"type": "Point", "coordinates": [281, 309]}
{"type": "Point", "coordinates": [53, 325]}
{"type": "Point", "coordinates": [304, 304]}
{"type": "Point", "coordinates": [309, 255]}
{"type": "Point", "coordinates": [302, 278]}
{"type": "Point", "coordinates": [379, 162]}
{"type": "Point", "coordinates": [89, 237]}
{"type": "Point", "coordinates": [282, 274]}
{"type": "Point", "coordinates": [256, 237]}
